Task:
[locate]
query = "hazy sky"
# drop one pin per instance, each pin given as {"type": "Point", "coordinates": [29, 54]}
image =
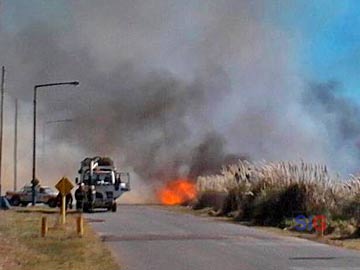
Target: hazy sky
{"type": "Point", "coordinates": [326, 32]}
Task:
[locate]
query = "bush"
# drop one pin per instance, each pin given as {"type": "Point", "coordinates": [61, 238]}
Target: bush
{"type": "Point", "coordinates": [215, 200]}
{"type": "Point", "coordinates": [269, 193]}
{"type": "Point", "coordinates": [351, 209]}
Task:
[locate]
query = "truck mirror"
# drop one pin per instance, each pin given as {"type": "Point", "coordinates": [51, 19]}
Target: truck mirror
{"type": "Point", "coordinates": [77, 180]}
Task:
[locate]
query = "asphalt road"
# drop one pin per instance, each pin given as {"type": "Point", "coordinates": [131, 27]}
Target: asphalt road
{"type": "Point", "coordinates": [155, 238]}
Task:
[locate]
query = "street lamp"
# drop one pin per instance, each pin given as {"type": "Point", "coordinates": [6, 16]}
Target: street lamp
{"type": "Point", "coordinates": [33, 182]}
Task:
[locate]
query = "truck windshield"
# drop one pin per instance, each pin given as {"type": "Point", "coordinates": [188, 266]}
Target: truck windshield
{"type": "Point", "coordinates": [100, 179]}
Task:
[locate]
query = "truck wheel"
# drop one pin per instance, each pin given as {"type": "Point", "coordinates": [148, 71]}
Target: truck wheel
{"type": "Point", "coordinates": [114, 207]}
{"type": "Point", "coordinates": [15, 201]}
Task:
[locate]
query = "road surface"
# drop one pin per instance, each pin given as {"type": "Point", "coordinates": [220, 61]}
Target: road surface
{"type": "Point", "coordinates": [156, 238]}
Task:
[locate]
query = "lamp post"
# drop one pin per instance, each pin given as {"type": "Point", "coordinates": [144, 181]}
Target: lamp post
{"type": "Point", "coordinates": [36, 87]}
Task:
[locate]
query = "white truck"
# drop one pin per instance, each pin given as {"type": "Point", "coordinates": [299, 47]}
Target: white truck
{"type": "Point", "coordinates": [102, 183]}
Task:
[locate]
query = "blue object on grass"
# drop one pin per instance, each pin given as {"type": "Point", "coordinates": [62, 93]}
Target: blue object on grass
{"type": "Point", "coordinates": [4, 203]}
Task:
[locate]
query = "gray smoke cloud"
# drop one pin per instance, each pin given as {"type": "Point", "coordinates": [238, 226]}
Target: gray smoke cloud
{"type": "Point", "coordinates": [168, 89]}
{"type": "Point", "coordinates": [338, 111]}
{"type": "Point", "coordinates": [339, 116]}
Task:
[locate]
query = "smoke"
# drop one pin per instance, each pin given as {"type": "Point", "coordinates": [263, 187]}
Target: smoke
{"type": "Point", "coordinates": [337, 111]}
{"type": "Point", "coordinates": [339, 117]}
{"type": "Point", "coordinates": [209, 156]}
{"type": "Point", "coordinates": [166, 89]}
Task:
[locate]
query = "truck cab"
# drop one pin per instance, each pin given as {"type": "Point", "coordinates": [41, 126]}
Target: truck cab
{"type": "Point", "coordinates": [102, 183]}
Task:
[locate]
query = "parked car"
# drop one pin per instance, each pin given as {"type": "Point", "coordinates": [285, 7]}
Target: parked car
{"type": "Point", "coordinates": [23, 197]}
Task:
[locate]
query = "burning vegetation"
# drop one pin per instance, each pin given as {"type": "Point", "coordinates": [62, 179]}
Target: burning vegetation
{"type": "Point", "coordinates": [179, 191]}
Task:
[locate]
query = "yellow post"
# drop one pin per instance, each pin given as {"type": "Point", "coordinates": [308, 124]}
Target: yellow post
{"type": "Point", "coordinates": [63, 210]}
{"type": "Point", "coordinates": [44, 227]}
{"type": "Point", "coordinates": [80, 225]}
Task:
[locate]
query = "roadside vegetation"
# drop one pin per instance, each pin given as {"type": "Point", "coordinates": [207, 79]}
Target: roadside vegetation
{"type": "Point", "coordinates": [22, 247]}
{"type": "Point", "coordinates": [273, 194]}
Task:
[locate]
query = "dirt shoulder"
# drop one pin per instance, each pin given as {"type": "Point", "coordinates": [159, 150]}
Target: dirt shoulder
{"type": "Point", "coordinates": [335, 240]}
{"type": "Point", "coordinates": [21, 246]}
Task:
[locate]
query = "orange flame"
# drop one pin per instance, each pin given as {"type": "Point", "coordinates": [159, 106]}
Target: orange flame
{"type": "Point", "coordinates": [177, 192]}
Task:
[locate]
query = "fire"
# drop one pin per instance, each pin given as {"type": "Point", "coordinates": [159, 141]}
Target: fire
{"type": "Point", "coordinates": [177, 192]}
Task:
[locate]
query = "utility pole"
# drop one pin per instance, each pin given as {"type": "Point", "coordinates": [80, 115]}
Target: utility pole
{"type": "Point", "coordinates": [15, 143]}
{"type": "Point", "coordinates": [2, 122]}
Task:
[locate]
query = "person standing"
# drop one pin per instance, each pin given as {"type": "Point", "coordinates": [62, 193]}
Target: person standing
{"type": "Point", "coordinates": [80, 197]}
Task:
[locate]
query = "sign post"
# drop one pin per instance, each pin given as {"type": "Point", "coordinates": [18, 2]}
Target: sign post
{"type": "Point", "coordinates": [64, 186]}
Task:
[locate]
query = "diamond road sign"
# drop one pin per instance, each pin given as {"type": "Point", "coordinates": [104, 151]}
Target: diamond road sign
{"type": "Point", "coordinates": [64, 186]}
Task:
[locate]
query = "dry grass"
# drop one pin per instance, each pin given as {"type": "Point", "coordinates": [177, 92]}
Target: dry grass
{"type": "Point", "coordinates": [270, 192]}
{"type": "Point", "coordinates": [23, 248]}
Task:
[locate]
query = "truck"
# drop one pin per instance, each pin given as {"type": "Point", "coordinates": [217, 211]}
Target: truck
{"type": "Point", "coordinates": [23, 197]}
{"type": "Point", "coordinates": [102, 183]}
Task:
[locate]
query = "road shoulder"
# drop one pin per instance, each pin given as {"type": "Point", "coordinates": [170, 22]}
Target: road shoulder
{"type": "Point", "coordinates": [23, 248]}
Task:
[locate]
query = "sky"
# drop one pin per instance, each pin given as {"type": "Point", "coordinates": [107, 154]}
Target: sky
{"type": "Point", "coordinates": [325, 32]}
{"type": "Point", "coordinates": [266, 79]}
{"type": "Point", "coordinates": [328, 38]}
